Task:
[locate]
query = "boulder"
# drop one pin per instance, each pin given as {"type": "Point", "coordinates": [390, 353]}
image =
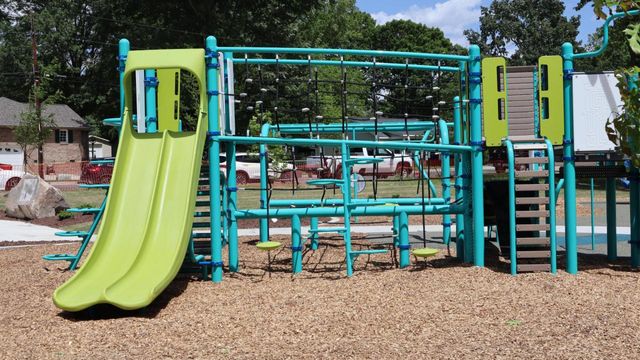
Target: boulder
{"type": "Point", "coordinates": [34, 198]}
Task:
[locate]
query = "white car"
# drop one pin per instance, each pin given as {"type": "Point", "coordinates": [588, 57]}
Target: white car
{"type": "Point", "coordinates": [392, 163]}
{"type": "Point", "coordinates": [248, 168]}
{"type": "Point", "coordinates": [9, 179]}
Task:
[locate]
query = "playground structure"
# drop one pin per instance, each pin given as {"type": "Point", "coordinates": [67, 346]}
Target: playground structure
{"type": "Point", "coordinates": [151, 221]}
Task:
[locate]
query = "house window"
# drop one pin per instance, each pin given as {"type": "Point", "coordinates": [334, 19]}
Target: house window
{"type": "Point", "coordinates": [64, 136]}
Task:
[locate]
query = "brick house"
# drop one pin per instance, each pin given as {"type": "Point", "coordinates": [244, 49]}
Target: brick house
{"type": "Point", "coordinates": [67, 143]}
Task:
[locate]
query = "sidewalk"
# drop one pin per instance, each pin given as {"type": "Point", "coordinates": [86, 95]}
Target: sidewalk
{"type": "Point", "coordinates": [22, 231]}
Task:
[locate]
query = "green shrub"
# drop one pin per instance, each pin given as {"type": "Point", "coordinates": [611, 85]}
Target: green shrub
{"type": "Point", "coordinates": [64, 215]}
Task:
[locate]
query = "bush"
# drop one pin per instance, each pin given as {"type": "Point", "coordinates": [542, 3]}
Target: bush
{"type": "Point", "coordinates": [64, 215]}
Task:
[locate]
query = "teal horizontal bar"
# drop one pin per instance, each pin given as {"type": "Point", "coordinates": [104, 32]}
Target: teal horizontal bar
{"type": "Point", "coordinates": [339, 202]}
{"type": "Point", "coordinates": [355, 126]}
{"type": "Point", "coordinates": [382, 65]}
{"type": "Point", "coordinates": [398, 145]}
{"type": "Point", "coordinates": [356, 211]}
{"type": "Point", "coordinates": [376, 53]}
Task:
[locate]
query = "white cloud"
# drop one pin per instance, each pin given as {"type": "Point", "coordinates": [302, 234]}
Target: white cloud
{"type": "Point", "coordinates": [451, 16]}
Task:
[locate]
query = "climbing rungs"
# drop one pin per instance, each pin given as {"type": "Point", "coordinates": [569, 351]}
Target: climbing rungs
{"type": "Point", "coordinates": [368, 252]}
{"type": "Point", "coordinates": [202, 214]}
{"type": "Point", "coordinates": [324, 182]}
{"type": "Point", "coordinates": [72, 233]}
{"type": "Point", "coordinates": [201, 224]}
{"type": "Point", "coordinates": [532, 227]}
{"type": "Point", "coordinates": [533, 267]}
{"type": "Point", "coordinates": [540, 146]}
{"type": "Point", "coordinates": [201, 235]}
{"type": "Point", "coordinates": [84, 210]}
{"type": "Point", "coordinates": [328, 230]}
{"type": "Point", "coordinates": [525, 138]}
{"type": "Point", "coordinates": [60, 257]}
{"type": "Point", "coordinates": [543, 241]}
{"type": "Point", "coordinates": [532, 187]}
{"type": "Point", "coordinates": [532, 160]}
{"type": "Point", "coordinates": [532, 214]}
{"type": "Point", "coordinates": [541, 173]}
{"type": "Point", "coordinates": [94, 186]}
{"type": "Point", "coordinates": [202, 203]}
{"type": "Point", "coordinates": [532, 200]}
{"type": "Point", "coordinates": [533, 254]}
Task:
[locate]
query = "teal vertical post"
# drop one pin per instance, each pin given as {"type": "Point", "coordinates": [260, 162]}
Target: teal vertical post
{"type": "Point", "coordinates": [264, 178]}
{"type": "Point", "coordinates": [552, 207]}
{"type": "Point", "coordinates": [214, 159]}
{"type": "Point", "coordinates": [314, 235]}
{"type": "Point", "coordinates": [224, 181]}
{"type": "Point", "coordinates": [477, 178]}
{"type": "Point", "coordinates": [569, 164]}
{"type": "Point", "coordinates": [403, 222]}
{"type": "Point", "coordinates": [396, 230]}
{"type": "Point", "coordinates": [457, 140]}
{"type": "Point", "coordinates": [232, 199]}
{"type": "Point", "coordinates": [512, 209]}
{"type": "Point", "coordinates": [123, 51]}
{"type": "Point", "coordinates": [150, 86]}
{"type": "Point", "coordinates": [296, 244]}
{"type": "Point", "coordinates": [634, 193]}
{"type": "Point", "coordinates": [593, 232]}
{"type": "Point", "coordinates": [612, 241]}
{"type": "Point", "coordinates": [346, 202]}
{"type": "Point", "coordinates": [446, 181]}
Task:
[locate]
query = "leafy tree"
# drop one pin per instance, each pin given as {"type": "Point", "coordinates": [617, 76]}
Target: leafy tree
{"type": "Point", "coordinates": [32, 131]}
{"type": "Point", "coordinates": [524, 30]}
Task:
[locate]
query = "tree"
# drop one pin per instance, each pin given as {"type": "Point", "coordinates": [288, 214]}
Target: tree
{"type": "Point", "coordinates": [32, 131]}
{"type": "Point", "coordinates": [524, 30]}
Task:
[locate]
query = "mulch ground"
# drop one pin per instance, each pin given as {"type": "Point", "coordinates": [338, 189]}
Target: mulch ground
{"type": "Point", "coordinates": [441, 310]}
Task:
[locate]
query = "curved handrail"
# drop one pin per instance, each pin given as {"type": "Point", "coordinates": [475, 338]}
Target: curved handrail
{"type": "Point", "coordinates": [605, 35]}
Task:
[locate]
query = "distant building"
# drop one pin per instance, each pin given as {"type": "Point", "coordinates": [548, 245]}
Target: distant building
{"type": "Point", "coordinates": [99, 147]}
{"type": "Point", "coordinates": [69, 142]}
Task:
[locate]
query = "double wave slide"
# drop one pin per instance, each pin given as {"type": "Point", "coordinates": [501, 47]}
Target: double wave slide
{"type": "Point", "coordinates": [149, 213]}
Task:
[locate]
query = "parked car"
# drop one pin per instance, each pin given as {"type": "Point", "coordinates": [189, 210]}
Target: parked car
{"type": "Point", "coordinates": [97, 173]}
{"type": "Point", "coordinates": [9, 178]}
{"type": "Point", "coordinates": [392, 163]}
{"type": "Point", "coordinates": [248, 168]}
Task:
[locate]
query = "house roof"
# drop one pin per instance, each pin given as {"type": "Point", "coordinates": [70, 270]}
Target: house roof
{"type": "Point", "coordinates": [63, 116]}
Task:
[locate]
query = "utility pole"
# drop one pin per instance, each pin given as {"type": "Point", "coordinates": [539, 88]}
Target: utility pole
{"type": "Point", "coordinates": [36, 100]}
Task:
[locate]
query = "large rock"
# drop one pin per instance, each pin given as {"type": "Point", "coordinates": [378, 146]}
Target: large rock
{"type": "Point", "coordinates": [34, 198]}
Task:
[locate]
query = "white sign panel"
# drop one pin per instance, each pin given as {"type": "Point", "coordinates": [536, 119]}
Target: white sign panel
{"type": "Point", "coordinates": [595, 99]}
{"type": "Point", "coordinates": [140, 101]}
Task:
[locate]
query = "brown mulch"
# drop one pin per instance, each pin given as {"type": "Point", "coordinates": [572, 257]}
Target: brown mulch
{"type": "Point", "coordinates": [442, 310]}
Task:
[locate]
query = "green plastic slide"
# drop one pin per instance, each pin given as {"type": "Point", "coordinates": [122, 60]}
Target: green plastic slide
{"type": "Point", "coordinates": [149, 212]}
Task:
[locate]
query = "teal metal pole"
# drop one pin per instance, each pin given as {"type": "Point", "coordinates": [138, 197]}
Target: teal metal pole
{"type": "Point", "coordinates": [214, 159]}
{"type": "Point", "coordinates": [358, 210]}
{"type": "Point", "coordinates": [513, 259]}
{"type": "Point", "coordinates": [123, 52]}
{"type": "Point", "coordinates": [264, 178]}
{"type": "Point", "coordinates": [477, 182]}
{"type": "Point", "coordinates": [593, 230]}
{"type": "Point", "coordinates": [339, 202]}
{"type": "Point", "coordinates": [296, 244]}
{"type": "Point", "coordinates": [446, 181]}
{"type": "Point", "coordinates": [150, 86]}
{"type": "Point", "coordinates": [457, 140]}
{"type": "Point", "coordinates": [232, 198]}
{"type": "Point", "coordinates": [569, 165]}
{"type": "Point", "coordinates": [314, 235]}
{"type": "Point", "coordinates": [396, 231]}
{"type": "Point", "coordinates": [403, 222]}
{"type": "Point", "coordinates": [359, 64]}
{"type": "Point", "coordinates": [346, 197]}
{"type": "Point", "coordinates": [559, 187]}
{"type": "Point", "coordinates": [612, 241]}
{"type": "Point", "coordinates": [552, 207]}
{"type": "Point", "coordinates": [634, 198]}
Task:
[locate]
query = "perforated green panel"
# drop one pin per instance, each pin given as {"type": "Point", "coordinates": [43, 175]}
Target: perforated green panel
{"type": "Point", "coordinates": [494, 100]}
{"type": "Point", "coordinates": [550, 86]}
{"type": "Point", "coordinates": [169, 99]}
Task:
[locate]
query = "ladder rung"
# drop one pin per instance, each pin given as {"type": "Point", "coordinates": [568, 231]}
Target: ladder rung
{"type": "Point", "coordinates": [328, 230]}
{"type": "Point", "coordinates": [533, 254]}
{"type": "Point", "coordinates": [202, 214]}
{"type": "Point", "coordinates": [532, 200]}
{"type": "Point", "coordinates": [201, 224]}
{"type": "Point", "coordinates": [72, 233]}
{"type": "Point", "coordinates": [201, 235]}
{"type": "Point", "coordinates": [60, 257]}
{"type": "Point", "coordinates": [532, 187]}
{"type": "Point", "coordinates": [533, 241]}
{"type": "Point", "coordinates": [94, 186]}
{"type": "Point", "coordinates": [533, 267]}
{"type": "Point", "coordinates": [202, 203]}
{"type": "Point", "coordinates": [539, 146]}
{"type": "Point", "coordinates": [525, 138]}
{"type": "Point", "coordinates": [367, 252]}
{"type": "Point", "coordinates": [532, 160]}
{"type": "Point", "coordinates": [84, 210]}
{"type": "Point", "coordinates": [532, 227]}
{"type": "Point", "coordinates": [532, 214]}
{"type": "Point", "coordinates": [541, 173]}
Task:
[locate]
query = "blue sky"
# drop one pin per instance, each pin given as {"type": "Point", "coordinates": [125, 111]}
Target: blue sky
{"type": "Point", "coordinates": [454, 16]}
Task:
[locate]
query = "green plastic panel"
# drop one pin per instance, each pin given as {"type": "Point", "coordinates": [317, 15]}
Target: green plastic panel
{"type": "Point", "coordinates": [149, 212]}
{"type": "Point", "coordinates": [551, 100]}
{"type": "Point", "coordinates": [169, 99]}
{"type": "Point", "coordinates": [494, 100]}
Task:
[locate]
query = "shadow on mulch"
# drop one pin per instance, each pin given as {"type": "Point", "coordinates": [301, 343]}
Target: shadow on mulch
{"type": "Point", "coordinates": [107, 311]}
